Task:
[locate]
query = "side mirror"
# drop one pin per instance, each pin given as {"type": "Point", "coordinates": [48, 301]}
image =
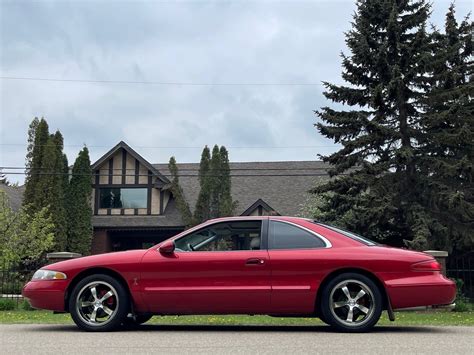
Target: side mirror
{"type": "Point", "coordinates": [167, 247]}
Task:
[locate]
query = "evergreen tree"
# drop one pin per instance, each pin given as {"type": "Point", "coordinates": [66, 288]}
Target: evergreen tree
{"type": "Point", "coordinates": [447, 162]}
{"type": "Point", "coordinates": [50, 190]}
{"type": "Point", "coordinates": [377, 189]}
{"type": "Point", "coordinates": [226, 205]}
{"type": "Point", "coordinates": [79, 210]}
{"type": "Point", "coordinates": [31, 142]}
{"type": "Point", "coordinates": [215, 183]}
{"type": "Point", "coordinates": [178, 193]}
{"type": "Point", "coordinates": [202, 210]}
{"type": "Point", "coordinates": [38, 135]}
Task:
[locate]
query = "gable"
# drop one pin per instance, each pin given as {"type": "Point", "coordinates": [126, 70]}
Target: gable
{"type": "Point", "coordinates": [260, 208]}
{"type": "Point", "coordinates": [124, 164]}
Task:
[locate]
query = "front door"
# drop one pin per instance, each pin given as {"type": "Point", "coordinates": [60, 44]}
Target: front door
{"type": "Point", "coordinates": [221, 268]}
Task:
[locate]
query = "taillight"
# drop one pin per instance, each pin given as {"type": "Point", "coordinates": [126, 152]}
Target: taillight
{"type": "Point", "coordinates": [429, 265]}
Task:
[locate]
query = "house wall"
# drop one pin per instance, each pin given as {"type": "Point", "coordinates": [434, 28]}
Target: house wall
{"type": "Point", "coordinates": [100, 242]}
{"type": "Point", "coordinates": [124, 171]}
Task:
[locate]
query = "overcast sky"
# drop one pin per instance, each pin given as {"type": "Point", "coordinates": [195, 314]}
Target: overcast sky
{"type": "Point", "coordinates": [227, 42]}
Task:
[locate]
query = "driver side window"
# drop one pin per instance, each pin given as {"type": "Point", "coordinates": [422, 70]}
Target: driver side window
{"type": "Point", "coordinates": [225, 236]}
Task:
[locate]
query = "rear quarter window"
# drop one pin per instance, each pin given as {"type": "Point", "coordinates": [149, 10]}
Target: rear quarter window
{"type": "Point", "coordinates": [287, 236]}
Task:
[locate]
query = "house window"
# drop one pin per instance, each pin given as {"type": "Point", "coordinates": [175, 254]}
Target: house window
{"type": "Point", "coordinates": [123, 198]}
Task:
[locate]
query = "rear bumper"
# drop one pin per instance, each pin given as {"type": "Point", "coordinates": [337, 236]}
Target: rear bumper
{"type": "Point", "coordinates": [46, 294]}
{"type": "Point", "coordinates": [424, 290]}
{"type": "Point", "coordinates": [445, 307]}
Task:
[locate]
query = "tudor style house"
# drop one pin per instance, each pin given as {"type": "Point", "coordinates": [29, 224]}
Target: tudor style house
{"type": "Point", "coordinates": [133, 206]}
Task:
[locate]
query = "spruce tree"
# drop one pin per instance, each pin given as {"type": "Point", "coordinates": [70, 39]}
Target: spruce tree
{"type": "Point", "coordinates": [38, 135]}
{"type": "Point", "coordinates": [202, 210]}
{"type": "Point", "coordinates": [226, 205]}
{"type": "Point", "coordinates": [79, 210]}
{"type": "Point", "coordinates": [376, 191]}
{"type": "Point", "coordinates": [447, 162]}
{"type": "Point", "coordinates": [178, 193]}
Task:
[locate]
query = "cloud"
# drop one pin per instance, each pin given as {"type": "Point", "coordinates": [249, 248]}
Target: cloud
{"type": "Point", "coordinates": [183, 41]}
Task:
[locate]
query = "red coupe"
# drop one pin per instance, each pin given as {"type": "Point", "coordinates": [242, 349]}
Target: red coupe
{"type": "Point", "coordinates": [279, 266]}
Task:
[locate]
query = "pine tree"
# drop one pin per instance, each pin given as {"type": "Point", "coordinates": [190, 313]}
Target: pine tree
{"type": "Point", "coordinates": [202, 210]}
{"type": "Point", "coordinates": [226, 205]}
{"type": "Point", "coordinates": [377, 192]}
{"type": "Point", "coordinates": [215, 183]}
{"type": "Point", "coordinates": [79, 210]}
{"type": "Point", "coordinates": [178, 193]}
{"type": "Point", "coordinates": [447, 161]}
{"type": "Point", "coordinates": [38, 135]}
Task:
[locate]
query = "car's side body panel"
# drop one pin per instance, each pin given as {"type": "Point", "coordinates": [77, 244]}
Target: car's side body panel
{"type": "Point", "coordinates": [206, 282]}
{"type": "Point", "coordinates": [286, 282]}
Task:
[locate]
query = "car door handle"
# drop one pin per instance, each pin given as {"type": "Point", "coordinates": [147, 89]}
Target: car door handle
{"type": "Point", "coordinates": [255, 261]}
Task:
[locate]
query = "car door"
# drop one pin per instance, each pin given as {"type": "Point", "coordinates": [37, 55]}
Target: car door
{"type": "Point", "coordinates": [298, 257]}
{"type": "Point", "coordinates": [221, 268]}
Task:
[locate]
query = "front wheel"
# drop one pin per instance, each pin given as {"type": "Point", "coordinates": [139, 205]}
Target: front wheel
{"type": "Point", "coordinates": [351, 302]}
{"type": "Point", "coordinates": [99, 303]}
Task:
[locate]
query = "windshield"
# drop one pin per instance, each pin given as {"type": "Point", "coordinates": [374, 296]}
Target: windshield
{"type": "Point", "coordinates": [348, 234]}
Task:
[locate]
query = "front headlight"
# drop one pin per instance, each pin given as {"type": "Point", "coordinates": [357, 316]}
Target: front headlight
{"type": "Point", "coordinates": [49, 275]}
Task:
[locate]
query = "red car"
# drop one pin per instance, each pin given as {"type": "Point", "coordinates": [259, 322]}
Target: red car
{"type": "Point", "coordinates": [279, 266]}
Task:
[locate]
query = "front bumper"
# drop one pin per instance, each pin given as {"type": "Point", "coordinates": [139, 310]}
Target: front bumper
{"type": "Point", "coordinates": [46, 294]}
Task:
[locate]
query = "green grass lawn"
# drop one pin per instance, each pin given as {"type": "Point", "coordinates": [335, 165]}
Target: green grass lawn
{"type": "Point", "coordinates": [403, 318]}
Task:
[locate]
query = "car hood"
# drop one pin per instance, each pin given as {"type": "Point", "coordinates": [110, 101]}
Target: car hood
{"type": "Point", "coordinates": [108, 259]}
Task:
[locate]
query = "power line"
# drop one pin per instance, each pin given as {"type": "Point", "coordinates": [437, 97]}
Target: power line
{"type": "Point", "coordinates": [181, 147]}
{"type": "Point", "coordinates": [168, 175]}
{"type": "Point", "coordinates": [185, 169]}
{"type": "Point", "coordinates": [159, 83]}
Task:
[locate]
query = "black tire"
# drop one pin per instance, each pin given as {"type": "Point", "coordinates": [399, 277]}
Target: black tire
{"type": "Point", "coordinates": [109, 312]}
{"type": "Point", "coordinates": [132, 322]}
{"type": "Point", "coordinates": [354, 313]}
{"type": "Point", "coordinates": [321, 316]}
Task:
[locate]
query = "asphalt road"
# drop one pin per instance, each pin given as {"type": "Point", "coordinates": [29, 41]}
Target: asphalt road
{"type": "Point", "coordinates": [66, 339]}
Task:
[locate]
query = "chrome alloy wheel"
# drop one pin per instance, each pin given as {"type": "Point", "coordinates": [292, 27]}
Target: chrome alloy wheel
{"type": "Point", "coordinates": [97, 303]}
{"type": "Point", "coordinates": [352, 303]}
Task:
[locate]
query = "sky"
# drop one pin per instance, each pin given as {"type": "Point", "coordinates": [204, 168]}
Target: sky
{"type": "Point", "coordinates": [241, 44]}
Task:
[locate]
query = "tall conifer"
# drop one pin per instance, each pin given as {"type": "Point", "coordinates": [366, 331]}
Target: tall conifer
{"type": "Point", "coordinates": [178, 193]}
{"type": "Point", "coordinates": [447, 162]}
{"type": "Point", "coordinates": [376, 191]}
{"type": "Point", "coordinates": [202, 210]}
{"type": "Point", "coordinates": [215, 183]}
{"type": "Point", "coordinates": [38, 135]}
{"type": "Point", "coordinates": [50, 190]}
{"type": "Point", "coordinates": [79, 210]}
{"type": "Point", "coordinates": [226, 205]}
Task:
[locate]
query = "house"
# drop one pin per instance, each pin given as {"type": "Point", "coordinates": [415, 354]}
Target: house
{"type": "Point", "coordinates": [133, 206]}
{"type": "Point", "coordinates": [14, 195]}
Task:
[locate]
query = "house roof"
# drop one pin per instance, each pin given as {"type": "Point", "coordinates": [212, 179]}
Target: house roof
{"type": "Point", "coordinates": [256, 204]}
{"type": "Point", "coordinates": [14, 194]}
{"type": "Point", "coordinates": [283, 186]}
{"type": "Point", "coordinates": [133, 153]}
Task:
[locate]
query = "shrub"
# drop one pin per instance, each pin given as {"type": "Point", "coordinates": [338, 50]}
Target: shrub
{"type": "Point", "coordinates": [462, 302]}
{"type": "Point", "coordinates": [26, 306]}
{"type": "Point", "coordinates": [7, 304]}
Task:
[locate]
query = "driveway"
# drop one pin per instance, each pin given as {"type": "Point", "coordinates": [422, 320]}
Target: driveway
{"type": "Point", "coordinates": [43, 339]}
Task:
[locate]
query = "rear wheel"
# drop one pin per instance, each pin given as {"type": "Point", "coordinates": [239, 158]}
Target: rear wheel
{"type": "Point", "coordinates": [99, 303]}
{"type": "Point", "coordinates": [136, 320]}
{"type": "Point", "coordinates": [351, 302]}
